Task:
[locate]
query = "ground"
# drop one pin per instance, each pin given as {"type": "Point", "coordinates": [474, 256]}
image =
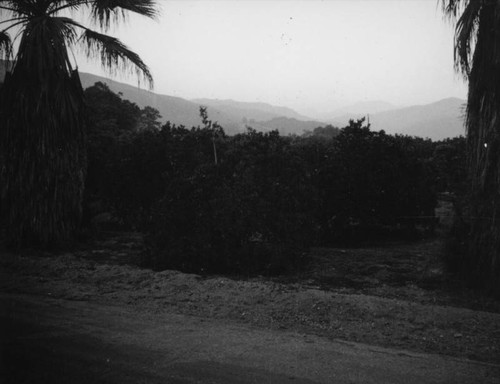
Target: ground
{"type": "Point", "coordinates": [49, 340]}
{"type": "Point", "coordinates": [386, 314]}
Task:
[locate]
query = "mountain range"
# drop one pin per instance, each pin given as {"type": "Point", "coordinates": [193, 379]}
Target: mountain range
{"type": "Point", "coordinates": [360, 108]}
{"type": "Point", "coordinates": [250, 110]}
{"type": "Point", "coordinates": [233, 116]}
{"type": "Point", "coordinates": [437, 121]}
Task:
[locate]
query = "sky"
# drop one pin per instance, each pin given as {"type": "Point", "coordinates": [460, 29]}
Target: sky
{"type": "Point", "coordinates": [311, 55]}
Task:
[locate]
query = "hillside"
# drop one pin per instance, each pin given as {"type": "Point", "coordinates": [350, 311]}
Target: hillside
{"type": "Point", "coordinates": [174, 109]}
{"type": "Point", "coordinates": [234, 116]}
{"type": "Point", "coordinates": [437, 120]}
{"type": "Point", "coordinates": [361, 108]}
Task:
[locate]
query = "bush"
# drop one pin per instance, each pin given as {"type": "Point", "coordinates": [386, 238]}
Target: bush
{"type": "Point", "coordinates": [249, 214]}
{"type": "Point", "coordinates": [259, 203]}
{"type": "Point", "coordinates": [449, 159]}
{"type": "Point", "coordinates": [126, 158]}
{"type": "Point", "coordinates": [372, 186]}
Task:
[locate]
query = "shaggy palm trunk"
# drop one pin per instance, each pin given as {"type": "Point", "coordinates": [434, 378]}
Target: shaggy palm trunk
{"type": "Point", "coordinates": [43, 153]}
{"type": "Point", "coordinates": [483, 133]}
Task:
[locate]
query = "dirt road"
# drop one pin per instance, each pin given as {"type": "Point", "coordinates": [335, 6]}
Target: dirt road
{"type": "Point", "coordinates": [55, 340]}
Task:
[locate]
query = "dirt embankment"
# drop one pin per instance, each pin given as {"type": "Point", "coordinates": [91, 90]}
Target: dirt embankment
{"type": "Point", "coordinates": [372, 310]}
{"type": "Point", "coordinates": [49, 340]}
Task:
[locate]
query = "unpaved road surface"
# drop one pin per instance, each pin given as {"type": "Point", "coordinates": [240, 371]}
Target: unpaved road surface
{"type": "Point", "coordinates": [381, 315]}
{"type": "Point", "coordinates": [55, 340]}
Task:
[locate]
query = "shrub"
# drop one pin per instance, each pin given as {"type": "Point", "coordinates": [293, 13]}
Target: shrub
{"type": "Point", "coordinates": [248, 214]}
{"type": "Point", "coordinates": [371, 185]}
{"type": "Point", "coordinates": [254, 202]}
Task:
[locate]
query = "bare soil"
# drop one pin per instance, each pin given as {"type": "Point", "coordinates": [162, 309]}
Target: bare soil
{"type": "Point", "coordinates": [395, 296]}
{"type": "Point", "coordinates": [53, 340]}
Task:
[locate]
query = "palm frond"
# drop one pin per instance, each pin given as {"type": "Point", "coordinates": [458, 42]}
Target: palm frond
{"type": "Point", "coordinates": [114, 55]}
{"type": "Point", "coordinates": [451, 7]}
{"type": "Point", "coordinates": [5, 46]}
{"type": "Point", "coordinates": [6, 11]}
{"type": "Point", "coordinates": [20, 7]}
{"type": "Point", "coordinates": [13, 20]}
{"type": "Point", "coordinates": [465, 36]}
{"type": "Point", "coordinates": [106, 11]}
{"type": "Point", "coordinates": [56, 6]}
{"type": "Point", "coordinates": [8, 5]}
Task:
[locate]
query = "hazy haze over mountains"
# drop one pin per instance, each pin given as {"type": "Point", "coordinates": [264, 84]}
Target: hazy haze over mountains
{"type": "Point", "coordinates": [263, 116]}
{"type": "Point", "coordinates": [361, 108]}
{"type": "Point", "coordinates": [247, 110]}
{"type": "Point", "coordinates": [232, 115]}
{"type": "Point", "coordinates": [174, 109]}
{"type": "Point", "coordinates": [306, 55]}
{"type": "Point", "coordinates": [437, 120]}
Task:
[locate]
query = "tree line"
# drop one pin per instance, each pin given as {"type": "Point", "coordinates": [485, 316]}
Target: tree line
{"type": "Point", "coordinates": [43, 155]}
{"type": "Point", "coordinates": [264, 198]}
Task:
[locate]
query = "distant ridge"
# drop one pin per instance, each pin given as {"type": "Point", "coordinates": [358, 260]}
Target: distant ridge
{"type": "Point", "coordinates": [437, 121]}
{"type": "Point", "coordinates": [233, 116]}
{"type": "Point", "coordinates": [362, 108]}
{"type": "Point", "coordinates": [174, 109]}
{"type": "Point", "coordinates": [251, 110]}
{"type": "Point", "coordinates": [287, 125]}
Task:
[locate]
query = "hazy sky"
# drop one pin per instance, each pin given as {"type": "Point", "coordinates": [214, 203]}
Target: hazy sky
{"type": "Point", "coordinates": [308, 55]}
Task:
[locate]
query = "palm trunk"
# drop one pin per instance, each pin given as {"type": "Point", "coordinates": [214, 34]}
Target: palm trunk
{"type": "Point", "coordinates": [42, 143]}
{"type": "Point", "coordinates": [483, 134]}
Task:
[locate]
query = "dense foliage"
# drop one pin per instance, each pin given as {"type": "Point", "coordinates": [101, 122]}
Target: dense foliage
{"type": "Point", "coordinates": [254, 202]}
{"type": "Point", "coordinates": [119, 158]}
{"type": "Point", "coordinates": [373, 185]}
{"type": "Point", "coordinates": [250, 213]}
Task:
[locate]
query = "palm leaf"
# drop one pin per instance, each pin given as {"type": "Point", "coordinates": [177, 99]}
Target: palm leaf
{"type": "Point", "coordinates": [452, 8]}
{"type": "Point", "coordinates": [5, 46]}
{"type": "Point", "coordinates": [7, 5]}
{"type": "Point", "coordinates": [114, 55]}
{"type": "Point", "coordinates": [20, 7]}
{"type": "Point", "coordinates": [56, 6]}
{"type": "Point", "coordinates": [106, 11]}
{"type": "Point", "coordinates": [465, 36]}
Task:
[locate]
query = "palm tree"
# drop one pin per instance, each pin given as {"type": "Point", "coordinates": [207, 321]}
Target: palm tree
{"type": "Point", "coordinates": [43, 158]}
{"type": "Point", "coordinates": [477, 57]}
